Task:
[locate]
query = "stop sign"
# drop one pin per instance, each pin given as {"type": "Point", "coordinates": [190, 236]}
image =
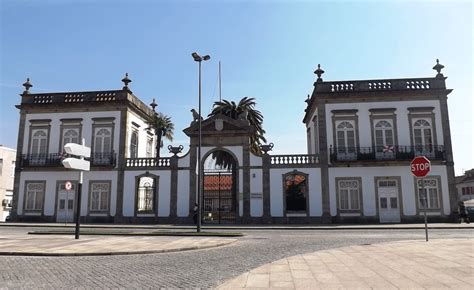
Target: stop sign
{"type": "Point", "coordinates": [420, 166]}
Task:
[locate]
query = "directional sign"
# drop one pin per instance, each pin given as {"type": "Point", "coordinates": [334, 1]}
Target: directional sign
{"type": "Point", "coordinates": [68, 185]}
{"type": "Point", "coordinates": [420, 166]}
{"type": "Point", "coordinates": [78, 164]}
{"type": "Point", "coordinates": [78, 150]}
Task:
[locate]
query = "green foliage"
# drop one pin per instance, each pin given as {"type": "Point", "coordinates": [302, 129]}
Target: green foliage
{"type": "Point", "coordinates": [163, 127]}
{"type": "Point", "coordinates": [254, 117]}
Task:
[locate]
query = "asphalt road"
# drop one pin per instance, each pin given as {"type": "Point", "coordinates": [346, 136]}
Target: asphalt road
{"type": "Point", "coordinates": [201, 268]}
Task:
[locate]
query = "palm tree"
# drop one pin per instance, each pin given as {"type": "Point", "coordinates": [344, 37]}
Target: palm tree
{"type": "Point", "coordinates": [163, 127]}
{"type": "Point", "coordinates": [254, 117]}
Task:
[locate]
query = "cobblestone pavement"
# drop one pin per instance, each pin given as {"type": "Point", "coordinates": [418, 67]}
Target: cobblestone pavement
{"type": "Point", "coordinates": [200, 268]}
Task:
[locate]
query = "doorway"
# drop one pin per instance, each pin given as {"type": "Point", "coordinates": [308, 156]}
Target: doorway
{"type": "Point", "coordinates": [389, 205]}
{"type": "Point", "coordinates": [220, 188]}
{"type": "Point", "coordinates": [65, 205]}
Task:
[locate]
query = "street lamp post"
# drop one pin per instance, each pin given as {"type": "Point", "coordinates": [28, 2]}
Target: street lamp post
{"type": "Point", "coordinates": [199, 59]}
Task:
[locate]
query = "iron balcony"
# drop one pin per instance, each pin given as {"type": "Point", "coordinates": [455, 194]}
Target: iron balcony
{"type": "Point", "coordinates": [54, 159]}
{"type": "Point", "coordinates": [386, 153]}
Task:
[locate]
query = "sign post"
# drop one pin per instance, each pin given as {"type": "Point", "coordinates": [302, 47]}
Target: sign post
{"type": "Point", "coordinates": [79, 164]}
{"type": "Point", "coordinates": [420, 167]}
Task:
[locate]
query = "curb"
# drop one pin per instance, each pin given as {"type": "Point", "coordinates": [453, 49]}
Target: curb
{"type": "Point", "coordinates": [141, 234]}
{"type": "Point", "coordinates": [33, 254]}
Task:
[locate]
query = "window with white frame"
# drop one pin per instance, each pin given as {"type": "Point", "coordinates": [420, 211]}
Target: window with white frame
{"type": "Point", "coordinates": [13, 169]}
{"type": "Point", "coordinates": [383, 133]}
{"type": "Point", "coordinates": [39, 140]}
{"type": "Point", "coordinates": [99, 196]}
{"type": "Point", "coordinates": [423, 135]}
{"type": "Point", "coordinates": [146, 195]}
{"type": "Point", "coordinates": [348, 194]}
{"type": "Point", "coordinates": [134, 144]}
{"type": "Point", "coordinates": [345, 133]}
{"type": "Point", "coordinates": [428, 193]}
{"type": "Point", "coordinates": [34, 196]}
{"type": "Point", "coordinates": [70, 135]}
{"type": "Point", "coordinates": [149, 147]}
{"type": "Point", "coordinates": [103, 140]}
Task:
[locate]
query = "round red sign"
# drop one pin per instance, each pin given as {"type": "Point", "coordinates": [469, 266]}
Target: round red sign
{"type": "Point", "coordinates": [420, 166]}
{"type": "Point", "coordinates": [68, 185]}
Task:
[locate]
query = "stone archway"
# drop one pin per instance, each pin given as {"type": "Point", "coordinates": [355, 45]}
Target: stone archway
{"type": "Point", "coordinates": [219, 189]}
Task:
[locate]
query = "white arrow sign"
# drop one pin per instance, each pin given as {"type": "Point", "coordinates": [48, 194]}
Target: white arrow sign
{"type": "Point", "coordinates": [78, 164]}
{"type": "Point", "coordinates": [78, 150]}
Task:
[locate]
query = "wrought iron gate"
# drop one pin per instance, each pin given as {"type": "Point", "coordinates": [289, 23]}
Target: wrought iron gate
{"type": "Point", "coordinates": [219, 204]}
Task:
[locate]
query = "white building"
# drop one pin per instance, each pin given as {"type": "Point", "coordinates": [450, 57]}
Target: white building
{"type": "Point", "coordinates": [7, 173]}
{"type": "Point", "coordinates": [465, 186]}
{"type": "Point", "coordinates": [362, 136]}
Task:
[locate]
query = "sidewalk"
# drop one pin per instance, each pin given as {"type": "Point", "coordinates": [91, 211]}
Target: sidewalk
{"type": "Point", "coordinates": [66, 245]}
{"type": "Point", "coordinates": [254, 227]}
{"type": "Point", "coordinates": [439, 264]}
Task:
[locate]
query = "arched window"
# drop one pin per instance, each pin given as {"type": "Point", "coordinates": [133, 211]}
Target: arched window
{"type": "Point", "coordinates": [71, 136]}
{"type": "Point", "coordinates": [384, 136]}
{"type": "Point", "coordinates": [422, 134]}
{"type": "Point", "coordinates": [103, 140]}
{"type": "Point", "coordinates": [296, 190]}
{"type": "Point", "coordinates": [146, 201]}
{"type": "Point", "coordinates": [39, 141]}
{"type": "Point", "coordinates": [345, 137]}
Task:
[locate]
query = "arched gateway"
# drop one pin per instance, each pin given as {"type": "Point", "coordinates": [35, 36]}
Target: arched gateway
{"type": "Point", "coordinates": [225, 151]}
{"type": "Point", "coordinates": [219, 188]}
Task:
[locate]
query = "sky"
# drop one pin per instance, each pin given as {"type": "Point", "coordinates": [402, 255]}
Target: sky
{"type": "Point", "coordinates": [268, 50]}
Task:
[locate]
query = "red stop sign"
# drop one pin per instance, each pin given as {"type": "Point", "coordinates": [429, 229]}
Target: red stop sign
{"type": "Point", "coordinates": [420, 166]}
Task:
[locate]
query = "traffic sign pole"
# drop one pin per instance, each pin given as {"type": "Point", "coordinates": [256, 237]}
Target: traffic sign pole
{"type": "Point", "coordinates": [420, 167]}
{"type": "Point", "coordinates": [425, 206]}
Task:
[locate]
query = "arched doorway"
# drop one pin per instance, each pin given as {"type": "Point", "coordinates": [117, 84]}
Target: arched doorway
{"type": "Point", "coordinates": [220, 188]}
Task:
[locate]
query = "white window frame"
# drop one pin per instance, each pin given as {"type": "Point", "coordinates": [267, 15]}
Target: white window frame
{"type": "Point", "coordinates": [100, 188]}
{"type": "Point", "coordinates": [432, 187]}
{"type": "Point", "coordinates": [426, 145]}
{"type": "Point", "coordinates": [149, 147]}
{"type": "Point", "coordinates": [351, 187]}
{"type": "Point", "coordinates": [36, 194]}
{"type": "Point", "coordinates": [345, 127]}
{"type": "Point", "coordinates": [39, 149]}
{"type": "Point", "coordinates": [134, 146]}
{"type": "Point", "coordinates": [103, 137]}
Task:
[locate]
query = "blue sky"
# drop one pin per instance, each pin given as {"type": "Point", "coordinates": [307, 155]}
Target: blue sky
{"type": "Point", "coordinates": [268, 50]}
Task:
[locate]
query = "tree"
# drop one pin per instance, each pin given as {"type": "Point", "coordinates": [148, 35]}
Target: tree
{"type": "Point", "coordinates": [163, 127]}
{"type": "Point", "coordinates": [246, 106]}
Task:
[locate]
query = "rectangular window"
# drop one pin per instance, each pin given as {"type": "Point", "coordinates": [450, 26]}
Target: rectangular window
{"type": "Point", "coordinates": [349, 194]}
{"type": "Point", "coordinates": [149, 147]}
{"type": "Point", "coordinates": [34, 196]}
{"type": "Point", "coordinates": [99, 196]}
{"type": "Point", "coordinates": [429, 195]}
{"type": "Point", "coordinates": [13, 169]}
{"type": "Point", "coordinates": [1, 166]}
{"type": "Point", "coordinates": [134, 144]}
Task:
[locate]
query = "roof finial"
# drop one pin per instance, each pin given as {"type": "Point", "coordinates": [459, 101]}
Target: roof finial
{"type": "Point", "coordinates": [438, 67]}
{"type": "Point", "coordinates": [27, 86]}
{"type": "Point", "coordinates": [153, 104]}
{"type": "Point", "coordinates": [319, 72]}
{"type": "Point", "coordinates": [126, 81]}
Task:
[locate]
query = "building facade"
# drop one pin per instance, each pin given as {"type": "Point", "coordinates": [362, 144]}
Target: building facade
{"type": "Point", "coordinates": [465, 186]}
{"type": "Point", "coordinates": [7, 173]}
{"type": "Point", "coordinates": [361, 137]}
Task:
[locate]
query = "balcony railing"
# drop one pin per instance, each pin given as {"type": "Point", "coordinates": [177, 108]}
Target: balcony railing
{"type": "Point", "coordinates": [147, 162]}
{"type": "Point", "coordinates": [54, 159]}
{"type": "Point", "coordinates": [381, 153]}
{"type": "Point", "coordinates": [42, 159]}
{"type": "Point", "coordinates": [294, 159]}
{"type": "Point", "coordinates": [104, 159]}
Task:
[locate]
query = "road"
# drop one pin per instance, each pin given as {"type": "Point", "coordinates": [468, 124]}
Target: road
{"type": "Point", "coordinates": [200, 268]}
